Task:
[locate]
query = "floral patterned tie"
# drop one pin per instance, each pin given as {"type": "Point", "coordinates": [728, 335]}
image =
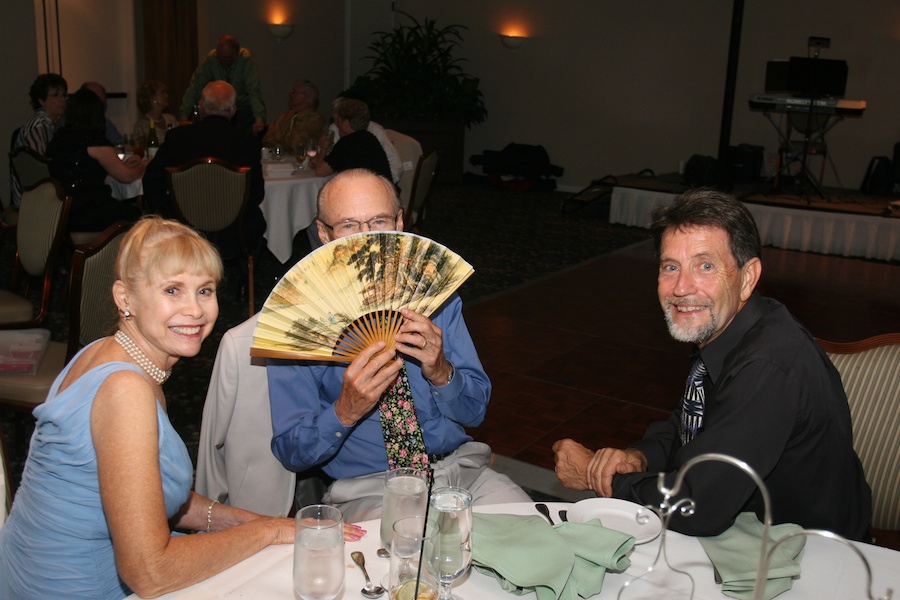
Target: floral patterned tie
{"type": "Point", "coordinates": [402, 435]}
{"type": "Point", "coordinates": [693, 403]}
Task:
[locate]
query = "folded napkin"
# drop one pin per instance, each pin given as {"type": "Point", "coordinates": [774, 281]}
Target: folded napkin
{"type": "Point", "coordinates": [735, 555]}
{"type": "Point", "coordinates": [557, 563]}
{"type": "Point", "coordinates": [279, 168]}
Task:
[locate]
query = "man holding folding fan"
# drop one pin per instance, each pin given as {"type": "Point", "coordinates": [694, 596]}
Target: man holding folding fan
{"type": "Point", "coordinates": [328, 415]}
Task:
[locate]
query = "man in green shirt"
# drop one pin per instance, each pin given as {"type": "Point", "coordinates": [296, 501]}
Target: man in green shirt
{"type": "Point", "coordinates": [229, 62]}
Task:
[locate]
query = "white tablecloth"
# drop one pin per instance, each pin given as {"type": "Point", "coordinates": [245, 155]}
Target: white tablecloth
{"type": "Point", "coordinates": [841, 234]}
{"type": "Point", "coordinates": [289, 207]}
{"type": "Point", "coordinates": [829, 570]}
{"type": "Point", "coordinates": [125, 191]}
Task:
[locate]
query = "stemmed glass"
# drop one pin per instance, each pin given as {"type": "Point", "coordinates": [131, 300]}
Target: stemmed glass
{"type": "Point", "coordinates": [312, 149]}
{"type": "Point", "coordinates": [319, 552]}
{"type": "Point", "coordinates": [411, 544]}
{"type": "Point", "coordinates": [451, 554]}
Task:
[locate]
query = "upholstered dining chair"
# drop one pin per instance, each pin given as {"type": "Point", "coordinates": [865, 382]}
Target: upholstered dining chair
{"type": "Point", "coordinates": [209, 194]}
{"type": "Point", "coordinates": [43, 217]}
{"type": "Point", "coordinates": [5, 481]}
{"type": "Point", "coordinates": [410, 150]}
{"type": "Point", "coordinates": [92, 310]}
{"type": "Point", "coordinates": [422, 183]}
{"type": "Point", "coordinates": [29, 167]}
{"type": "Point", "coordinates": [870, 372]}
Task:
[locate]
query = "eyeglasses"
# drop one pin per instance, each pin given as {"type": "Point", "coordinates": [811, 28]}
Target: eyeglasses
{"type": "Point", "coordinates": [349, 226]}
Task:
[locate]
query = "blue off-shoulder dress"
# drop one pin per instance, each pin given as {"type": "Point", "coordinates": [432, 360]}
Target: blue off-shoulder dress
{"type": "Point", "coordinates": [56, 542]}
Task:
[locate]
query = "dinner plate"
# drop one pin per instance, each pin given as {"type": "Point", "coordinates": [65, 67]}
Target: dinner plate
{"type": "Point", "coordinates": [619, 515]}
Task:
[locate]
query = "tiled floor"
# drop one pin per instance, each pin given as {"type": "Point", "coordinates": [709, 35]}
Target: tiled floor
{"type": "Point", "coordinates": [585, 353]}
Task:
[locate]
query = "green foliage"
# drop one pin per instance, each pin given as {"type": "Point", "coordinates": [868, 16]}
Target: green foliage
{"type": "Point", "coordinates": [415, 76]}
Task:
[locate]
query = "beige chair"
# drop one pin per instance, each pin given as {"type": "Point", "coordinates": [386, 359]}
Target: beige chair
{"type": "Point", "coordinates": [92, 310]}
{"type": "Point", "coordinates": [870, 372]}
{"type": "Point", "coordinates": [210, 194]}
{"type": "Point", "coordinates": [410, 151]}
{"type": "Point", "coordinates": [235, 464]}
{"type": "Point", "coordinates": [43, 216]}
{"type": "Point", "coordinates": [5, 481]}
{"type": "Point", "coordinates": [422, 183]}
{"type": "Point", "coordinates": [29, 167]}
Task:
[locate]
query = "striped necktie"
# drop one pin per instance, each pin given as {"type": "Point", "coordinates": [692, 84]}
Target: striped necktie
{"type": "Point", "coordinates": [403, 439]}
{"type": "Point", "coordinates": [693, 403]}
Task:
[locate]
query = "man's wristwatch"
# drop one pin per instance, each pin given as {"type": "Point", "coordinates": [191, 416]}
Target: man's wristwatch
{"type": "Point", "coordinates": [449, 377]}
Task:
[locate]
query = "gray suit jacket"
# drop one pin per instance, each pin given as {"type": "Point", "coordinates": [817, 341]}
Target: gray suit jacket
{"type": "Point", "coordinates": [235, 464]}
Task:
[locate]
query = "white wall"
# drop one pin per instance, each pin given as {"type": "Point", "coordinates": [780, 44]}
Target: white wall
{"type": "Point", "coordinates": [615, 87]}
{"type": "Point", "coordinates": [19, 70]}
{"type": "Point", "coordinates": [315, 50]}
{"type": "Point", "coordinates": [606, 87]}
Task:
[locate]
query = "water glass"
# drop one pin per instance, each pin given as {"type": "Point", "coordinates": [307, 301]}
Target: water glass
{"type": "Point", "coordinates": [412, 539]}
{"type": "Point", "coordinates": [319, 552]}
{"type": "Point", "coordinates": [451, 553]}
{"type": "Point", "coordinates": [405, 495]}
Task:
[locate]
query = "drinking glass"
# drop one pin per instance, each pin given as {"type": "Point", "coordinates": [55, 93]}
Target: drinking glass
{"type": "Point", "coordinates": [312, 148]}
{"type": "Point", "coordinates": [319, 552]}
{"type": "Point", "coordinates": [451, 553]}
{"type": "Point", "coordinates": [412, 539]}
{"type": "Point", "coordinates": [405, 495]}
{"type": "Point", "coordinates": [127, 144]}
{"type": "Point", "coordinates": [278, 152]}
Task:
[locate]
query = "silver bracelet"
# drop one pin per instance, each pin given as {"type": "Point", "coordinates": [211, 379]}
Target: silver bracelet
{"type": "Point", "coordinates": [209, 516]}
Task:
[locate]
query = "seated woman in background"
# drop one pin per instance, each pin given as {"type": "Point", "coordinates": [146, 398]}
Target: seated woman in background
{"type": "Point", "coordinates": [48, 99]}
{"type": "Point", "coordinates": [107, 476]}
{"type": "Point", "coordinates": [82, 158]}
{"type": "Point", "coordinates": [152, 101]}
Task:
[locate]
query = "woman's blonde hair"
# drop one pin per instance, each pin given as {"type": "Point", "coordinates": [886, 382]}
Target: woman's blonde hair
{"type": "Point", "coordinates": [156, 247]}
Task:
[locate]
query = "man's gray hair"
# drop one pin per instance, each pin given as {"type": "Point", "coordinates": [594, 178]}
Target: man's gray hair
{"type": "Point", "coordinates": [218, 98]}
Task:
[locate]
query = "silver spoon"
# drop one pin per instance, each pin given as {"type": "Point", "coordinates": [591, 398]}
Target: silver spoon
{"type": "Point", "coordinates": [371, 590]}
{"type": "Point", "coordinates": [383, 553]}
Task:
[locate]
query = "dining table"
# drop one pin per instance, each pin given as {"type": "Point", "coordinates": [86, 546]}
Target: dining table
{"type": "Point", "coordinates": [289, 205]}
{"type": "Point", "coordinates": [829, 570]}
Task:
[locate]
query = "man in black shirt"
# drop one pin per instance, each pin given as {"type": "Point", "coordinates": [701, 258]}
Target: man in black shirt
{"type": "Point", "coordinates": [769, 395]}
{"type": "Point", "coordinates": [357, 148]}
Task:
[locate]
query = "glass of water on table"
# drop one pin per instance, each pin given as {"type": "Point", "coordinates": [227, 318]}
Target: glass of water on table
{"type": "Point", "coordinates": [319, 552]}
{"type": "Point", "coordinates": [405, 495]}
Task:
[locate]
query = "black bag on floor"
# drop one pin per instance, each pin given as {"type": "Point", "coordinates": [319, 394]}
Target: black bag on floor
{"type": "Point", "coordinates": [879, 179]}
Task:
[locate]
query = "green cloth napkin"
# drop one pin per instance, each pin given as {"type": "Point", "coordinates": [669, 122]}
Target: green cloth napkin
{"type": "Point", "coordinates": [560, 562]}
{"type": "Point", "coordinates": [735, 555]}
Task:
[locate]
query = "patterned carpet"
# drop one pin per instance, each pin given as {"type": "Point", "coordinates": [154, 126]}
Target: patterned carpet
{"type": "Point", "coordinates": [509, 237]}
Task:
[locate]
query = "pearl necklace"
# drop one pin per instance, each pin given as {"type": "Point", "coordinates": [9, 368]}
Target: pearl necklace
{"type": "Point", "coordinates": [143, 361]}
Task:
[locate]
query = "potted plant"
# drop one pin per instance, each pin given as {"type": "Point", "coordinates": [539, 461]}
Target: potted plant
{"type": "Point", "coordinates": [417, 85]}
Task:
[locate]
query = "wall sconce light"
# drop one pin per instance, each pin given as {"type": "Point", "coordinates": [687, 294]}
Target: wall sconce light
{"type": "Point", "coordinates": [281, 31]}
{"type": "Point", "coordinates": [511, 42]}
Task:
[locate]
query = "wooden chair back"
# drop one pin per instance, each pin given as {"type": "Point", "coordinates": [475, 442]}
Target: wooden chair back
{"type": "Point", "coordinates": [92, 310]}
{"type": "Point", "coordinates": [410, 151]}
{"type": "Point", "coordinates": [40, 238]}
{"type": "Point", "coordinates": [209, 194]}
{"type": "Point", "coordinates": [424, 176]}
{"type": "Point", "coordinates": [870, 372]}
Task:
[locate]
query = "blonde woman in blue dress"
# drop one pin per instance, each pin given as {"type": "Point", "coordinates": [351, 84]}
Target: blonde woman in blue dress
{"type": "Point", "coordinates": [107, 478]}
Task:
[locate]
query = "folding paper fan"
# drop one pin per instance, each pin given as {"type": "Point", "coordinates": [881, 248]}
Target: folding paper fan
{"type": "Point", "coordinates": [348, 294]}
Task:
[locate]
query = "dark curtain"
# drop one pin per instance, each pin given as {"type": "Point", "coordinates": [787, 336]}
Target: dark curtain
{"type": "Point", "coordinates": [170, 45]}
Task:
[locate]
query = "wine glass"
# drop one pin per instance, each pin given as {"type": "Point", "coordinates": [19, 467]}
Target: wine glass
{"type": "Point", "coordinates": [451, 554]}
{"type": "Point", "coordinates": [312, 148]}
{"type": "Point", "coordinates": [411, 543]}
{"type": "Point", "coordinates": [319, 552]}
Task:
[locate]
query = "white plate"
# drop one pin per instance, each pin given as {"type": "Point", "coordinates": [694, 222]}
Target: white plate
{"type": "Point", "coordinates": [619, 515]}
